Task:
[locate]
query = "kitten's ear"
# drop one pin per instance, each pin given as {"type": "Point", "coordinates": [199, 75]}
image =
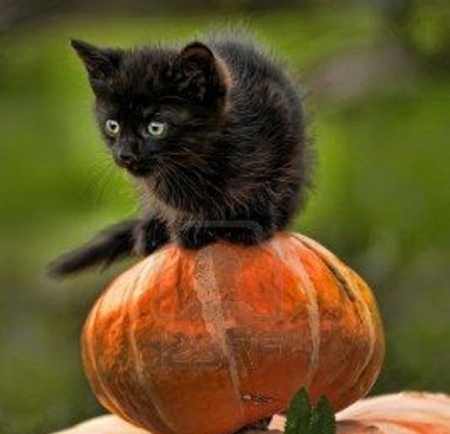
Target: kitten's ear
{"type": "Point", "coordinates": [199, 74]}
{"type": "Point", "coordinates": [198, 55]}
{"type": "Point", "coordinates": [100, 63]}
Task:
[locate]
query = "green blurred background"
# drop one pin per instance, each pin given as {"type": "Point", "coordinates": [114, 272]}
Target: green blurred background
{"type": "Point", "coordinates": [377, 88]}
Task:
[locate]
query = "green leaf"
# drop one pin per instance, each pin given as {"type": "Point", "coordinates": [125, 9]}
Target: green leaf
{"type": "Point", "coordinates": [298, 414]}
{"type": "Point", "coordinates": [322, 419]}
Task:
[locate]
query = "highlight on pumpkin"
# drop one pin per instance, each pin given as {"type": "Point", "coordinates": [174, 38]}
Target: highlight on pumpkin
{"type": "Point", "coordinates": [232, 332]}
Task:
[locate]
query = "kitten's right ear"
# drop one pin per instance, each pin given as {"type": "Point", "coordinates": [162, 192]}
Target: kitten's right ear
{"type": "Point", "coordinates": [100, 63]}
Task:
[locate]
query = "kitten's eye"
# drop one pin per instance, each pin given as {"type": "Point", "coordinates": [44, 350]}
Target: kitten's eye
{"type": "Point", "coordinates": [112, 127]}
{"type": "Point", "coordinates": [157, 129]}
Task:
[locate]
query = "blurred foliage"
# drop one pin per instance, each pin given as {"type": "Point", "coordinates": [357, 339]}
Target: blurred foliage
{"type": "Point", "coordinates": [379, 119]}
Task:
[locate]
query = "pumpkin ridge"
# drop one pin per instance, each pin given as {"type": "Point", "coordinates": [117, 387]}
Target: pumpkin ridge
{"type": "Point", "coordinates": [341, 284]}
{"type": "Point", "coordinates": [104, 393]}
{"type": "Point", "coordinates": [346, 284]}
{"type": "Point", "coordinates": [371, 319]}
{"type": "Point", "coordinates": [346, 281]}
{"type": "Point", "coordinates": [126, 295]}
{"type": "Point", "coordinates": [314, 315]}
{"type": "Point", "coordinates": [364, 316]}
{"type": "Point", "coordinates": [307, 287]}
{"type": "Point", "coordinates": [133, 317]}
{"type": "Point", "coordinates": [211, 302]}
{"type": "Point", "coordinates": [352, 282]}
{"type": "Point", "coordinates": [327, 258]}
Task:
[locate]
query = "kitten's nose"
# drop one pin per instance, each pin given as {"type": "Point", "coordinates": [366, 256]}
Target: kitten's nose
{"type": "Point", "coordinates": [126, 158]}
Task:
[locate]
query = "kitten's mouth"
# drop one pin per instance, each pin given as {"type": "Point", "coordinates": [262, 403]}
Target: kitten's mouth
{"type": "Point", "coordinates": [137, 168]}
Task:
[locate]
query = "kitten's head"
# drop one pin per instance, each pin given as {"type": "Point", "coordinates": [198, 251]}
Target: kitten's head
{"type": "Point", "coordinates": [156, 105]}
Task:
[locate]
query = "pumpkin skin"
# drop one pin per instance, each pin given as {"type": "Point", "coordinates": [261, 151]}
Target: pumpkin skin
{"type": "Point", "coordinates": [232, 332]}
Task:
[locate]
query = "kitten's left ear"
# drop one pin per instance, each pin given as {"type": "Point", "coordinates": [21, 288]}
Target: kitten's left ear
{"type": "Point", "coordinates": [100, 63]}
{"type": "Point", "coordinates": [200, 74]}
{"type": "Point", "coordinates": [198, 54]}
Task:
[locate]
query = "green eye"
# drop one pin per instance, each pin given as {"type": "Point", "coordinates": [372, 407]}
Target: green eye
{"type": "Point", "coordinates": [112, 127]}
{"type": "Point", "coordinates": [157, 129]}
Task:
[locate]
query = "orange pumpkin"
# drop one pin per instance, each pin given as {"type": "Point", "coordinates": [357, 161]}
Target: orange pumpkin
{"type": "Point", "coordinates": [231, 332]}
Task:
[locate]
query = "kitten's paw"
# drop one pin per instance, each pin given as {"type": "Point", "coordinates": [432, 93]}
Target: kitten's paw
{"type": "Point", "coordinates": [195, 237]}
{"type": "Point", "coordinates": [150, 235]}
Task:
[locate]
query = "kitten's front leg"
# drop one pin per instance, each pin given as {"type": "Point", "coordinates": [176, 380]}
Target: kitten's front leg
{"type": "Point", "coordinates": [250, 231]}
{"type": "Point", "coordinates": [128, 238]}
{"type": "Point", "coordinates": [241, 229]}
{"type": "Point", "coordinates": [195, 235]}
{"type": "Point", "coordinates": [251, 224]}
{"type": "Point", "coordinates": [149, 234]}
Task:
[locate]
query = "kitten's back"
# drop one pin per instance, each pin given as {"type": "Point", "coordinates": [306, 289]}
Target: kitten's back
{"type": "Point", "coordinates": [254, 68]}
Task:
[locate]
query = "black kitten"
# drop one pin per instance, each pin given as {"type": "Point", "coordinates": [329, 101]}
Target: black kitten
{"type": "Point", "coordinates": [212, 133]}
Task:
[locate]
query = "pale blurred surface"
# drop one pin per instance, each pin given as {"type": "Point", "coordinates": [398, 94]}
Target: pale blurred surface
{"type": "Point", "coordinates": [401, 413]}
{"type": "Point", "coordinates": [376, 79]}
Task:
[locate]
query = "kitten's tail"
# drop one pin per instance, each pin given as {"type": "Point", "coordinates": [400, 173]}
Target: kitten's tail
{"type": "Point", "coordinates": [113, 243]}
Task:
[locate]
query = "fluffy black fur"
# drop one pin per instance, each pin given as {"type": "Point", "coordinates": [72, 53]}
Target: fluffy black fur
{"type": "Point", "coordinates": [232, 162]}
